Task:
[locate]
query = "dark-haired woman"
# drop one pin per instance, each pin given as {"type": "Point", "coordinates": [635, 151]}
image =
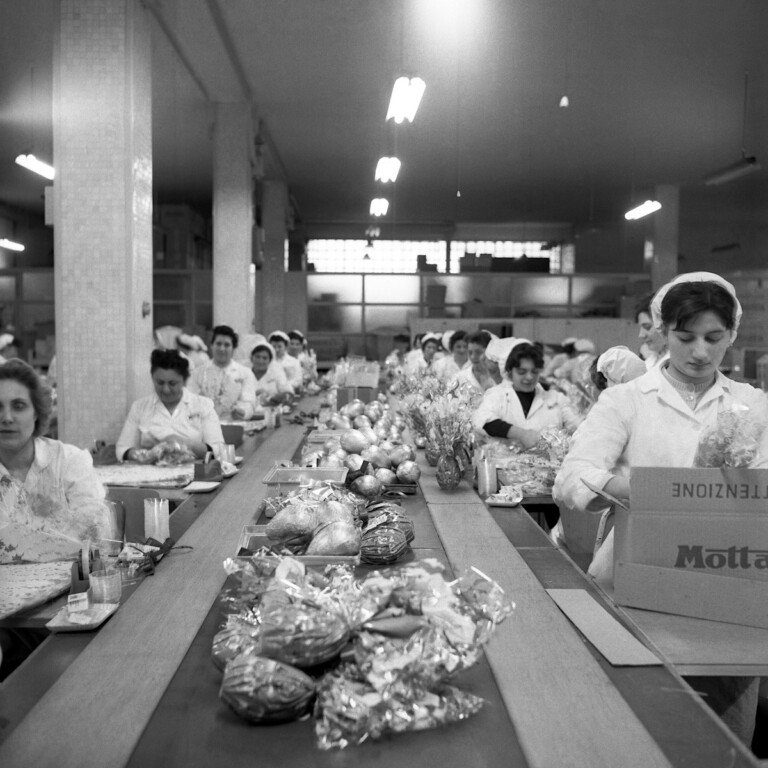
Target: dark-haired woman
{"type": "Point", "coordinates": [171, 413]}
{"type": "Point", "coordinates": [51, 501]}
{"type": "Point", "coordinates": [476, 374]}
{"type": "Point", "coordinates": [656, 420]}
{"type": "Point", "coordinates": [228, 383]}
{"type": "Point", "coordinates": [449, 365]}
{"type": "Point", "coordinates": [519, 408]}
{"type": "Point", "coordinates": [272, 387]}
{"type": "Point", "coordinates": [50, 497]}
{"type": "Point", "coordinates": [653, 343]}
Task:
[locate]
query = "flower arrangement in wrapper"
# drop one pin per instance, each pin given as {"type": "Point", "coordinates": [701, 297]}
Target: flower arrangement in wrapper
{"type": "Point", "coordinates": [412, 632]}
{"type": "Point", "coordinates": [733, 440]}
{"type": "Point", "coordinates": [416, 395]}
{"type": "Point", "coordinates": [405, 655]}
{"type": "Point", "coordinates": [449, 429]}
{"type": "Point", "coordinates": [353, 711]}
{"type": "Point", "coordinates": [295, 625]}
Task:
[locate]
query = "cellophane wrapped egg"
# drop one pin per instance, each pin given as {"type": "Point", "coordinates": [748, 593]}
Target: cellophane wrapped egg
{"type": "Point", "coordinates": [262, 690]}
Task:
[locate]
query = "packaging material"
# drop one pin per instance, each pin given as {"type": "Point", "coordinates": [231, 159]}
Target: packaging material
{"type": "Point", "coordinates": [695, 543]}
{"type": "Point", "coordinates": [347, 394]}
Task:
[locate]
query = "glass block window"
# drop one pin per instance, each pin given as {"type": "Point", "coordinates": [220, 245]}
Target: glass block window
{"type": "Point", "coordinates": [504, 249]}
{"type": "Point", "coordinates": [392, 256]}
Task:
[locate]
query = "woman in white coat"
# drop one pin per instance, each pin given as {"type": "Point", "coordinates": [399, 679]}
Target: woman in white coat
{"type": "Point", "coordinates": [519, 408]}
{"type": "Point", "coordinates": [656, 420]}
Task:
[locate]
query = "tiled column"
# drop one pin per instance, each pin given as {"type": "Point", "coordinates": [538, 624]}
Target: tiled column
{"type": "Point", "coordinates": [102, 147]}
{"type": "Point", "coordinates": [274, 209]}
{"type": "Point", "coordinates": [665, 229]}
{"type": "Point", "coordinates": [233, 295]}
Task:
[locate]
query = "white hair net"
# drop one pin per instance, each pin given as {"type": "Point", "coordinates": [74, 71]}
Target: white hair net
{"type": "Point", "coordinates": [584, 345]}
{"type": "Point", "coordinates": [498, 349]}
{"type": "Point", "coordinates": [696, 277]}
{"type": "Point", "coordinates": [619, 365]}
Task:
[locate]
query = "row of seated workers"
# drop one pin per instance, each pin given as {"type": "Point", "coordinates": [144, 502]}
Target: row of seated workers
{"type": "Point", "coordinates": [622, 409]}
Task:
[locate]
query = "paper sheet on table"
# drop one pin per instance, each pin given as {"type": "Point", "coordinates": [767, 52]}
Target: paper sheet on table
{"type": "Point", "coordinates": [30, 584]}
{"type": "Point", "coordinates": [146, 475]}
{"type": "Point", "coordinates": [615, 642]}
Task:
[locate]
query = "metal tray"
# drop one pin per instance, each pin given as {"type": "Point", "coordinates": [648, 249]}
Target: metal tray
{"type": "Point", "coordinates": [300, 475]}
{"type": "Point", "coordinates": [321, 435]}
{"type": "Point", "coordinates": [254, 536]}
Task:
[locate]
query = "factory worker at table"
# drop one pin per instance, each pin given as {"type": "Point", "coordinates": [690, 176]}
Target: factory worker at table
{"type": "Point", "coordinates": [229, 384]}
{"type": "Point", "coordinates": [272, 387]}
{"type": "Point", "coordinates": [519, 408]}
{"type": "Point", "coordinates": [653, 344]}
{"type": "Point", "coordinates": [172, 413]}
{"type": "Point", "coordinates": [657, 419]}
{"type": "Point", "coordinates": [449, 365]}
{"type": "Point", "coordinates": [577, 532]}
{"type": "Point", "coordinates": [477, 374]}
{"type": "Point", "coordinates": [557, 361]}
{"type": "Point", "coordinates": [51, 501]}
{"type": "Point", "coordinates": [424, 361]}
{"type": "Point", "coordinates": [290, 365]}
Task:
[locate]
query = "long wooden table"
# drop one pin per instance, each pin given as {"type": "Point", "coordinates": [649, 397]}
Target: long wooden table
{"type": "Point", "coordinates": [143, 692]}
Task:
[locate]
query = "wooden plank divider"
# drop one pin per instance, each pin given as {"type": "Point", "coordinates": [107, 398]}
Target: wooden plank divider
{"type": "Point", "coordinates": [543, 670]}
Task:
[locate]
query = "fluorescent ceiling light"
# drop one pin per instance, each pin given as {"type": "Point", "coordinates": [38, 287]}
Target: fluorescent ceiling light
{"type": "Point", "coordinates": [379, 206]}
{"type": "Point", "coordinates": [10, 245]}
{"type": "Point", "coordinates": [387, 169]}
{"type": "Point", "coordinates": [743, 167]}
{"type": "Point", "coordinates": [649, 206]}
{"type": "Point", "coordinates": [31, 163]}
{"type": "Point", "coordinates": [406, 96]}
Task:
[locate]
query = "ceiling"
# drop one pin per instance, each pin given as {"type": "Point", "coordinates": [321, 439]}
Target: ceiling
{"type": "Point", "coordinates": [656, 91]}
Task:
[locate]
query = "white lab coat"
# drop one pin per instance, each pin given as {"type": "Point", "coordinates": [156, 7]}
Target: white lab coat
{"type": "Point", "coordinates": [292, 369]}
{"type": "Point", "coordinates": [644, 422]}
{"type": "Point", "coordinates": [548, 409]}
{"type": "Point", "coordinates": [446, 367]}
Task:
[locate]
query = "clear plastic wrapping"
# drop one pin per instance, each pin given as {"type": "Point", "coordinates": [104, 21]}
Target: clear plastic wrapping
{"type": "Point", "coordinates": [732, 441]}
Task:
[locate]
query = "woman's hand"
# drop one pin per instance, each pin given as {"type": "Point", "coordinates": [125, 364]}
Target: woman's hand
{"type": "Point", "coordinates": [198, 447]}
{"type": "Point", "coordinates": [238, 412]}
{"type": "Point", "coordinates": [526, 437]}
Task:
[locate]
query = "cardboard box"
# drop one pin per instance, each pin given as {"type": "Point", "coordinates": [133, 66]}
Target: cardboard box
{"type": "Point", "coordinates": [347, 394]}
{"type": "Point", "coordinates": [695, 543]}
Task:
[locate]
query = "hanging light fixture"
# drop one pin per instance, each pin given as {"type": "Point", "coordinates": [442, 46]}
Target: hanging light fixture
{"type": "Point", "coordinates": [649, 206]}
{"type": "Point", "coordinates": [387, 169]}
{"type": "Point", "coordinates": [379, 206]}
{"type": "Point", "coordinates": [31, 163]}
{"type": "Point", "coordinates": [10, 244]}
{"type": "Point", "coordinates": [405, 99]}
{"type": "Point", "coordinates": [744, 166]}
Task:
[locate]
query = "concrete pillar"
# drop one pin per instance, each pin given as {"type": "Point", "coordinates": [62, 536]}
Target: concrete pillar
{"type": "Point", "coordinates": [102, 147]}
{"type": "Point", "coordinates": [274, 213]}
{"type": "Point", "coordinates": [665, 225]}
{"type": "Point", "coordinates": [233, 295]}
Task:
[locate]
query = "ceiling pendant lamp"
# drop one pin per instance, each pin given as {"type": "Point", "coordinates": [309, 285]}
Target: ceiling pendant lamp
{"type": "Point", "coordinates": [10, 244]}
{"type": "Point", "coordinates": [649, 206]}
{"type": "Point", "coordinates": [379, 206]}
{"type": "Point", "coordinates": [405, 99]}
{"type": "Point", "coordinates": [387, 169]}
